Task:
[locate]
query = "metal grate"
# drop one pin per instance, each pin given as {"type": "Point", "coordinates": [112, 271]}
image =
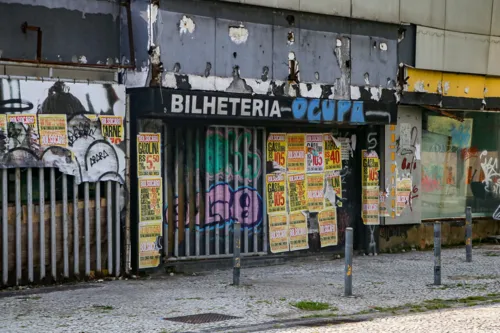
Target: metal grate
{"type": "Point", "coordinates": [202, 318]}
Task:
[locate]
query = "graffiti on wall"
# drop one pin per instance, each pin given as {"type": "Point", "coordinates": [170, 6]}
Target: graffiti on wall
{"type": "Point", "coordinates": [75, 127]}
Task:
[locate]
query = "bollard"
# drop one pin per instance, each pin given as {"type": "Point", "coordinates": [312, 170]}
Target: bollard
{"type": "Point", "coordinates": [236, 253]}
{"type": "Point", "coordinates": [348, 262]}
{"type": "Point", "coordinates": [437, 253]}
{"type": "Point", "coordinates": [468, 235]}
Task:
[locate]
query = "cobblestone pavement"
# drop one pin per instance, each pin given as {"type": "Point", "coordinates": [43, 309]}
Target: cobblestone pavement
{"type": "Point", "coordinates": [476, 320]}
{"type": "Point", "coordinates": [266, 294]}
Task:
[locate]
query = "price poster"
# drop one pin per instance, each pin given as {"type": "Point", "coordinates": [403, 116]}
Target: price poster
{"type": "Point", "coordinates": [327, 220]}
{"type": "Point", "coordinates": [148, 154]}
{"type": "Point", "coordinates": [297, 196]}
{"type": "Point", "coordinates": [276, 150]}
{"type": "Point", "coordinates": [333, 182]}
{"type": "Point", "coordinates": [403, 190]}
{"type": "Point", "coordinates": [149, 247]}
{"type": "Point", "coordinates": [315, 192]}
{"type": "Point", "coordinates": [112, 128]}
{"type": "Point", "coordinates": [150, 199]}
{"type": "Point", "coordinates": [315, 153]}
{"type": "Point", "coordinates": [296, 152]}
{"type": "Point", "coordinates": [371, 167]}
{"type": "Point", "coordinates": [333, 153]}
{"type": "Point", "coordinates": [276, 196]}
{"type": "Point", "coordinates": [298, 232]}
{"type": "Point", "coordinates": [370, 202]}
{"type": "Point", "coordinates": [53, 130]}
{"type": "Point", "coordinates": [278, 229]}
{"type": "Point", "coordinates": [22, 123]}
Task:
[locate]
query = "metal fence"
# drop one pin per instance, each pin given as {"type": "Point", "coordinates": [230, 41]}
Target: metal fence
{"type": "Point", "coordinates": [54, 229]}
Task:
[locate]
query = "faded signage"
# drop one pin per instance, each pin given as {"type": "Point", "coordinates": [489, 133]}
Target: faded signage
{"type": "Point", "coordinates": [278, 230]}
{"type": "Point", "coordinates": [297, 192]}
{"type": "Point", "coordinates": [276, 196]}
{"type": "Point", "coordinates": [315, 192]}
{"type": "Point", "coordinates": [327, 220]}
{"type": "Point", "coordinates": [53, 130]}
{"type": "Point", "coordinates": [298, 232]}
{"type": "Point", "coordinates": [296, 152]}
{"type": "Point", "coordinates": [148, 154]}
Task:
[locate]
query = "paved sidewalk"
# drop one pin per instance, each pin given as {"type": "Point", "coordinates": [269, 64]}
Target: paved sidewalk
{"type": "Point", "coordinates": [265, 295]}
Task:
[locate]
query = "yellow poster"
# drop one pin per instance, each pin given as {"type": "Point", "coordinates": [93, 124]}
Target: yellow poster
{"type": "Point", "coordinates": [150, 199]}
{"type": "Point", "coordinates": [148, 154]}
{"type": "Point", "coordinates": [315, 192]}
{"type": "Point", "coordinates": [315, 156]}
{"type": "Point", "coordinates": [278, 229]}
{"type": "Point", "coordinates": [327, 220]}
{"type": "Point", "coordinates": [298, 232]}
{"type": "Point", "coordinates": [370, 201]}
{"type": "Point", "coordinates": [276, 151]}
{"type": "Point", "coordinates": [403, 190]}
{"type": "Point", "coordinates": [112, 128]}
{"type": "Point", "coordinates": [370, 169]}
{"type": "Point", "coordinates": [333, 187]}
{"type": "Point", "coordinates": [149, 247]}
{"type": "Point", "coordinates": [53, 130]}
{"type": "Point", "coordinates": [3, 123]}
{"type": "Point", "coordinates": [296, 153]}
{"type": "Point", "coordinates": [333, 153]}
{"type": "Point", "coordinates": [276, 196]}
{"type": "Point", "coordinates": [297, 192]}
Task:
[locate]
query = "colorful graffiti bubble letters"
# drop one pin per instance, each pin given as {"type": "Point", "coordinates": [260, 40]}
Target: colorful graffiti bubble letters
{"type": "Point", "coordinates": [316, 110]}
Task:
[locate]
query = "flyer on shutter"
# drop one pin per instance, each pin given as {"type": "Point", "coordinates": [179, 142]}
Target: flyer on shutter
{"type": "Point", "coordinates": [112, 128]}
{"type": "Point", "coordinates": [22, 124]}
{"type": "Point", "coordinates": [370, 202]}
{"type": "Point", "coordinates": [403, 190]}
{"type": "Point", "coordinates": [53, 130]}
{"type": "Point", "coordinates": [276, 195]}
{"type": "Point", "coordinates": [370, 169]}
{"type": "Point", "coordinates": [299, 239]}
{"type": "Point", "coordinates": [276, 151]}
{"type": "Point", "coordinates": [333, 153]}
{"type": "Point", "coordinates": [315, 192]}
{"type": "Point", "coordinates": [150, 199]}
{"type": "Point", "coordinates": [315, 153]}
{"type": "Point", "coordinates": [333, 187]}
{"type": "Point", "coordinates": [297, 192]}
{"type": "Point", "coordinates": [296, 153]}
{"type": "Point", "coordinates": [148, 154]}
{"type": "Point", "coordinates": [149, 244]}
{"type": "Point", "coordinates": [278, 229]}
{"type": "Point", "coordinates": [327, 220]}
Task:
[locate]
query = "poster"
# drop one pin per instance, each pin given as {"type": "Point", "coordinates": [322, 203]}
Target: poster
{"type": "Point", "coordinates": [315, 153]}
{"type": "Point", "coordinates": [276, 196]}
{"type": "Point", "coordinates": [112, 128]}
{"type": "Point", "coordinates": [333, 153]}
{"type": "Point", "coordinates": [403, 190]}
{"type": "Point", "coordinates": [278, 229]}
{"type": "Point", "coordinates": [53, 130]}
{"type": "Point", "coordinates": [296, 147]}
{"type": "Point", "coordinates": [23, 128]}
{"type": "Point", "coordinates": [370, 201]}
{"type": "Point", "coordinates": [383, 210]}
{"type": "Point", "coordinates": [327, 220]}
{"type": "Point", "coordinates": [276, 151]}
{"type": "Point", "coordinates": [371, 167]}
{"type": "Point", "coordinates": [333, 189]}
{"type": "Point", "coordinates": [346, 151]}
{"type": "Point", "coordinates": [315, 192]}
{"type": "Point", "coordinates": [297, 192]}
{"type": "Point", "coordinates": [149, 244]}
{"type": "Point", "coordinates": [150, 199]}
{"type": "Point", "coordinates": [148, 153]}
{"type": "Point", "coordinates": [298, 232]}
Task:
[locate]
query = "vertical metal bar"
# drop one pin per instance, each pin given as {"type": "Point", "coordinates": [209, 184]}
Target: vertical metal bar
{"type": "Point", "coordinates": [437, 253]}
{"type": "Point", "coordinates": [348, 262]}
{"type": "Point", "coordinates": [76, 231]}
{"type": "Point", "coordinates": [5, 228]}
{"type": "Point", "coordinates": [29, 184]}
{"type": "Point", "coordinates": [468, 235]}
{"type": "Point", "coordinates": [165, 189]}
{"type": "Point", "coordinates": [236, 253]}
{"type": "Point", "coordinates": [65, 225]}
{"type": "Point", "coordinates": [18, 226]}
{"type": "Point", "coordinates": [189, 193]}
{"type": "Point", "coordinates": [216, 180]}
{"type": "Point", "coordinates": [236, 172]}
{"type": "Point", "coordinates": [208, 171]}
{"type": "Point", "coordinates": [118, 229]}
{"type": "Point", "coordinates": [264, 199]}
{"type": "Point", "coordinates": [86, 213]}
{"type": "Point", "coordinates": [255, 174]}
{"type": "Point", "coordinates": [41, 176]}
{"type": "Point", "coordinates": [245, 182]}
{"type": "Point", "coordinates": [109, 222]}
{"type": "Point", "coordinates": [98, 226]}
{"type": "Point", "coordinates": [197, 187]}
{"type": "Point", "coordinates": [176, 196]}
{"type": "Point", "coordinates": [53, 224]}
{"type": "Point", "coordinates": [226, 181]}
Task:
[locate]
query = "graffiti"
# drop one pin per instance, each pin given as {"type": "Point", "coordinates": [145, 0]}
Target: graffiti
{"type": "Point", "coordinates": [372, 140]}
{"type": "Point", "coordinates": [316, 110]}
{"type": "Point", "coordinates": [496, 214]}
{"type": "Point", "coordinates": [406, 144]}
{"type": "Point", "coordinates": [409, 165]}
{"type": "Point", "coordinates": [491, 175]}
{"type": "Point", "coordinates": [98, 157]}
{"type": "Point", "coordinates": [468, 153]}
{"type": "Point", "coordinates": [82, 130]}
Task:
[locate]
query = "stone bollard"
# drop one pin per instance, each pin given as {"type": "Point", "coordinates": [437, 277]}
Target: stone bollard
{"type": "Point", "coordinates": [468, 235]}
{"type": "Point", "coordinates": [348, 262]}
{"type": "Point", "coordinates": [437, 253]}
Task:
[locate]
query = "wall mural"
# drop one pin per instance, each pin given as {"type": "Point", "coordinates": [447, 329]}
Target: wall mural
{"type": "Point", "coordinates": [75, 127]}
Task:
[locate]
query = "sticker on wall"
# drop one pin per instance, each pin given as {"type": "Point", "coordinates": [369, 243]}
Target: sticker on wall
{"type": "Point", "coordinates": [333, 153]}
{"type": "Point", "coordinates": [371, 167]}
{"type": "Point", "coordinates": [276, 151]}
{"type": "Point", "coordinates": [276, 196]}
{"type": "Point", "coordinates": [315, 153]}
{"type": "Point", "coordinates": [296, 147]}
{"type": "Point", "coordinates": [327, 220]}
{"type": "Point", "coordinates": [370, 202]}
{"type": "Point", "coordinates": [297, 192]}
{"type": "Point", "coordinates": [346, 149]}
{"type": "Point", "coordinates": [53, 130]}
{"type": "Point", "coordinates": [150, 199]}
{"type": "Point", "coordinates": [333, 185]}
{"type": "Point", "coordinates": [148, 154]}
{"type": "Point", "coordinates": [112, 128]}
{"type": "Point", "coordinates": [298, 232]}
{"type": "Point", "coordinates": [315, 192]}
{"type": "Point", "coordinates": [149, 244]}
{"type": "Point", "coordinates": [278, 229]}
{"type": "Point", "coordinates": [403, 190]}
